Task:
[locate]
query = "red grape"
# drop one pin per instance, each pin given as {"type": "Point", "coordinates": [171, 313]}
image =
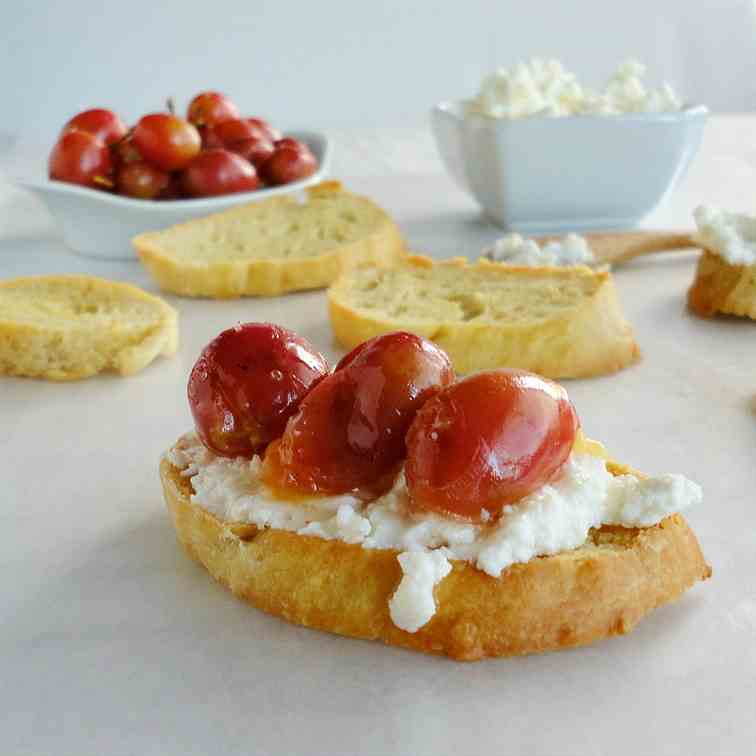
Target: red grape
{"type": "Point", "coordinates": [141, 180]}
{"type": "Point", "coordinates": [487, 441]}
{"type": "Point", "coordinates": [273, 134]}
{"type": "Point", "coordinates": [242, 137]}
{"type": "Point", "coordinates": [236, 130]}
{"type": "Point", "coordinates": [288, 164]}
{"type": "Point", "coordinates": [209, 108]}
{"type": "Point", "coordinates": [167, 141]}
{"type": "Point", "coordinates": [210, 140]}
{"type": "Point", "coordinates": [100, 123]}
{"type": "Point", "coordinates": [172, 190]}
{"type": "Point", "coordinates": [349, 430]}
{"type": "Point", "coordinates": [215, 172]}
{"type": "Point", "coordinates": [78, 157]}
{"type": "Point", "coordinates": [257, 151]}
{"type": "Point", "coordinates": [124, 151]}
{"type": "Point", "coordinates": [295, 144]}
{"type": "Point", "coordinates": [246, 384]}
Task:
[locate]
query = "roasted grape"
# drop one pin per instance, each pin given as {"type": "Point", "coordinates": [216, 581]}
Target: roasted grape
{"type": "Point", "coordinates": [257, 151]}
{"type": "Point", "coordinates": [216, 172]}
{"type": "Point", "coordinates": [166, 141]}
{"type": "Point", "coordinates": [288, 164]}
{"type": "Point", "coordinates": [141, 180]}
{"type": "Point", "coordinates": [236, 130]}
{"type": "Point", "coordinates": [349, 431]}
{"type": "Point", "coordinates": [295, 144]}
{"type": "Point", "coordinates": [209, 108]}
{"type": "Point", "coordinates": [124, 151]}
{"type": "Point", "coordinates": [242, 137]}
{"type": "Point", "coordinates": [246, 384]}
{"type": "Point", "coordinates": [172, 190]}
{"type": "Point", "coordinates": [273, 134]}
{"type": "Point", "coordinates": [80, 158]}
{"type": "Point", "coordinates": [487, 441]}
{"type": "Point", "coordinates": [103, 124]}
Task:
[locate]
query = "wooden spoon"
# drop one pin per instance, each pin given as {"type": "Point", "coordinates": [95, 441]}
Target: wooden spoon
{"type": "Point", "coordinates": [620, 246]}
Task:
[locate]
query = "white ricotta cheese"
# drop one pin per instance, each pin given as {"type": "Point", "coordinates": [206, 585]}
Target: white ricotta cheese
{"type": "Point", "coordinates": [732, 236]}
{"type": "Point", "coordinates": [413, 603]}
{"type": "Point", "coordinates": [514, 249]}
{"type": "Point", "coordinates": [555, 518]}
{"type": "Point", "coordinates": [546, 88]}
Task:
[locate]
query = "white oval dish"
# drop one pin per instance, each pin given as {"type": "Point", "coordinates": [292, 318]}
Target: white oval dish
{"type": "Point", "coordinates": [100, 224]}
{"type": "Point", "coordinates": [567, 173]}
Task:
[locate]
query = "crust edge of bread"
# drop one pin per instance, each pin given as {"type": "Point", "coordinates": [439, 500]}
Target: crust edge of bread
{"type": "Point", "coordinates": [72, 362]}
{"type": "Point", "coordinates": [719, 287]}
{"type": "Point", "coordinates": [590, 340]}
{"type": "Point", "coordinates": [267, 277]}
{"type": "Point", "coordinates": [549, 603]}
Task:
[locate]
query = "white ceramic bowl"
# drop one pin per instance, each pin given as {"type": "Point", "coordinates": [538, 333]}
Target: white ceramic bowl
{"type": "Point", "coordinates": [572, 173]}
{"type": "Point", "coordinates": [99, 224]}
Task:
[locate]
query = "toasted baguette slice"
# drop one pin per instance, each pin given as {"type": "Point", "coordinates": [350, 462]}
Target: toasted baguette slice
{"type": "Point", "coordinates": [68, 327]}
{"type": "Point", "coordinates": [721, 287]}
{"type": "Point", "coordinates": [273, 246]}
{"type": "Point", "coordinates": [559, 322]}
{"type": "Point", "coordinates": [570, 599]}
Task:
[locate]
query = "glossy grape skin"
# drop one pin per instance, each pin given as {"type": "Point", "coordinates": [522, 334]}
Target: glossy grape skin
{"type": "Point", "coordinates": [288, 164]}
{"type": "Point", "coordinates": [291, 142]}
{"type": "Point", "coordinates": [103, 124]}
{"type": "Point", "coordinates": [172, 190]}
{"type": "Point", "coordinates": [216, 172]}
{"type": "Point", "coordinates": [349, 431]}
{"type": "Point", "coordinates": [246, 384]}
{"type": "Point", "coordinates": [273, 134]}
{"type": "Point", "coordinates": [166, 141]}
{"type": "Point", "coordinates": [236, 130]}
{"type": "Point", "coordinates": [257, 151]}
{"type": "Point", "coordinates": [78, 157]}
{"type": "Point", "coordinates": [242, 137]}
{"type": "Point", "coordinates": [209, 108]}
{"type": "Point", "coordinates": [124, 151]}
{"type": "Point", "coordinates": [487, 441]}
{"type": "Point", "coordinates": [141, 180]}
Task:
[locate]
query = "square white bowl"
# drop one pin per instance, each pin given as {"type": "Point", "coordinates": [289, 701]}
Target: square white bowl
{"type": "Point", "coordinates": [100, 224]}
{"type": "Point", "coordinates": [569, 173]}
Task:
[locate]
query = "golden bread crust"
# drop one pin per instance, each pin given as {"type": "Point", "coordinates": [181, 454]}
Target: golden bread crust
{"type": "Point", "coordinates": [723, 288]}
{"type": "Point", "coordinates": [64, 328]}
{"type": "Point", "coordinates": [588, 338]}
{"type": "Point", "coordinates": [381, 244]}
{"type": "Point", "coordinates": [549, 603]}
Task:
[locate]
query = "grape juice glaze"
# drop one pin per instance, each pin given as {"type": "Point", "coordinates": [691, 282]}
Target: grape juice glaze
{"type": "Point", "coordinates": [388, 451]}
{"type": "Point", "coordinates": [557, 517]}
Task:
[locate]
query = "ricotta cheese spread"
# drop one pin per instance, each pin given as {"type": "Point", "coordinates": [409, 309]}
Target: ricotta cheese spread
{"type": "Point", "coordinates": [557, 517]}
{"type": "Point", "coordinates": [546, 88]}
{"type": "Point", "coordinates": [732, 236]}
{"type": "Point", "coordinates": [514, 249]}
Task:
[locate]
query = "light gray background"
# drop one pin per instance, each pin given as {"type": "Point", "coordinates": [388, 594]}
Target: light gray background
{"type": "Point", "coordinates": [342, 63]}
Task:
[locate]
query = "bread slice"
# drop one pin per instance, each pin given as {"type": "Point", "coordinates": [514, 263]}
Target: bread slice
{"type": "Point", "coordinates": [273, 246]}
{"type": "Point", "coordinates": [570, 599]}
{"type": "Point", "coordinates": [721, 287]}
{"type": "Point", "coordinates": [559, 322]}
{"type": "Point", "coordinates": [68, 327]}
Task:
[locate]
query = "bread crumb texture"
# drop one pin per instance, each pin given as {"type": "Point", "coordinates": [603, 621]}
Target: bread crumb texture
{"type": "Point", "coordinates": [71, 327]}
{"type": "Point", "coordinates": [561, 323]}
{"type": "Point", "coordinates": [723, 288]}
{"type": "Point", "coordinates": [272, 246]}
{"type": "Point", "coordinates": [601, 589]}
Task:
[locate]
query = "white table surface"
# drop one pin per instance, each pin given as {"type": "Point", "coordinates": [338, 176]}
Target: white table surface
{"type": "Point", "coordinates": [113, 642]}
